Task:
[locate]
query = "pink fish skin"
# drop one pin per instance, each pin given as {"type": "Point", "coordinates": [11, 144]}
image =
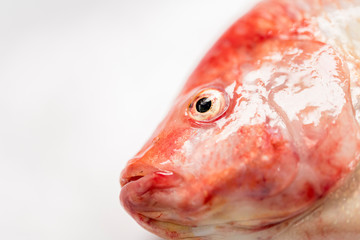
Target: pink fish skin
{"type": "Point", "coordinates": [263, 141]}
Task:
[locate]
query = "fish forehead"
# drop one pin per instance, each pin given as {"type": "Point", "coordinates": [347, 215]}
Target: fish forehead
{"type": "Point", "coordinates": [231, 50]}
{"type": "Point", "coordinates": [329, 21]}
{"type": "Point", "coordinates": [307, 71]}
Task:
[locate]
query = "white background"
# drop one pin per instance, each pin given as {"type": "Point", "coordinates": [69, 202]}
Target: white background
{"type": "Point", "coordinates": [82, 86]}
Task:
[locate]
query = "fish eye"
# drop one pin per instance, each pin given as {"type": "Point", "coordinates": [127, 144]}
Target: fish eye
{"type": "Point", "coordinates": [207, 105]}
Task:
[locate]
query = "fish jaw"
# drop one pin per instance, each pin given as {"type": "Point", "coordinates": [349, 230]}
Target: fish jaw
{"type": "Point", "coordinates": [287, 140]}
{"type": "Point", "coordinates": [144, 199]}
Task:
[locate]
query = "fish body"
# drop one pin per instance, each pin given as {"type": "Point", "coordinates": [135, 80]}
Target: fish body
{"type": "Point", "coordinates": [263, 141]}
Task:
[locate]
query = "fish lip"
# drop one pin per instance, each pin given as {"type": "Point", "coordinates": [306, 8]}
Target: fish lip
{"type": "Point", "coordinates": [135, 170]}
{"type": "Point", "coordinates": [138, 192]}
{"type": "Point", "coordinates": [164, 228]}
{"type": "Point", "coordinates": [133, 186]}
{"type": "Point", "coordinates": [123, 182]}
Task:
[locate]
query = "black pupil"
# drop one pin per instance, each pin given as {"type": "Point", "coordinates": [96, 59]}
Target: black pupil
{"type": "Point", "coordinates": [203, 105]}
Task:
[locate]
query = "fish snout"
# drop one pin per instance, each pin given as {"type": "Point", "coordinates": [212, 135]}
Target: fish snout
{"type": "Point", "coordinates": [160, 178]}
{"type": "Point", "coordinates": [146, 188]}
{"type": "Point", "coordinates": [135, 171]}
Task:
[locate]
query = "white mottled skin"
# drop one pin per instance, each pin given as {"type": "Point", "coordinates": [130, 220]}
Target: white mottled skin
{"type": "Point", "coordinates": [337, 217]}
{"type": "Point", "coordinates": [340, 28]}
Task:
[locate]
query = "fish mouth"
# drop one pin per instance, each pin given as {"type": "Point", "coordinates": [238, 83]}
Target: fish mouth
{"type": "Point", "coordinates": [155, 199]}
{"type": "Point", "coordinates": [153, 195]}
{"type": "Point", "coordinates": [145, 199]}
{"type": "Point", "coordinates": [141, 198]}
{"type": "Point", "coordinates": [123, 182]}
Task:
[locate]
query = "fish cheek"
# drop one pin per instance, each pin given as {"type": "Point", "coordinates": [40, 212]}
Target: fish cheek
{"type": "Point", "coordinates": [314, 100]}
{"type": "Point", "coordinates": [260, 163]}
{"type": "Point", "coordinates": [268, 162]}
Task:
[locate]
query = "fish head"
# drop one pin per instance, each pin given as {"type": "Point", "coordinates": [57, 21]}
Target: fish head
{"type": "Point", "coordinates": [261, 132]}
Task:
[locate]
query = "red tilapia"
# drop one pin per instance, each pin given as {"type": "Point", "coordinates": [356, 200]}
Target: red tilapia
{"type": "Point", "coordinates": [263, 141]}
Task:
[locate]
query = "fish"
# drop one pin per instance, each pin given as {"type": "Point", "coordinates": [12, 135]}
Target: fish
{"type": "Point", "coordinates": [263, 140]}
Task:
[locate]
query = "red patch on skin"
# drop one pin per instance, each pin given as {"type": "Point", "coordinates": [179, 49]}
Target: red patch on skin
{"type": "Point", "coordinates": [309, 192]}
{"type": "Point", "coordinates": [267, 155]}
{"type": "Point", "coordinates": [172, 235]}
